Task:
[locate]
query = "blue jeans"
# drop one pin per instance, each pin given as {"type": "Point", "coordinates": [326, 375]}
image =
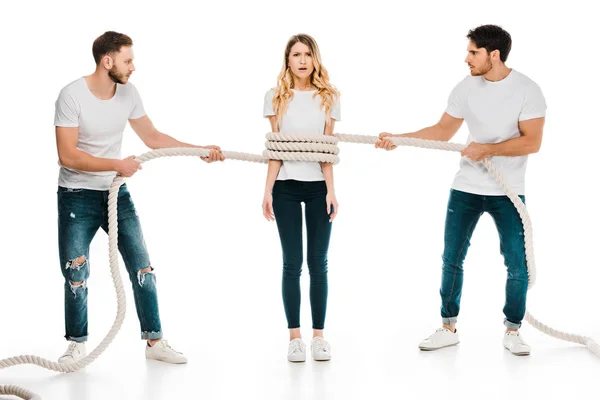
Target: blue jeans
{"type": "Point", "coordinates": [287, 198]}
{"type": "Point", "coordinates": [80, 213]}
{"type": "Point", "coordinates": [464, 210]}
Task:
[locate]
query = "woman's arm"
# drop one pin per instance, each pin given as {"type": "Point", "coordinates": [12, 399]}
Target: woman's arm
{"type": "Point", "coordinates": [272, 172]}
{"type": "Point", "coordinates": [328, 174]}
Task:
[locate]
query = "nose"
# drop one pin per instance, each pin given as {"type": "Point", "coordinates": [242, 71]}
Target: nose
{"type": "Point", "coordinates": [132, 67]}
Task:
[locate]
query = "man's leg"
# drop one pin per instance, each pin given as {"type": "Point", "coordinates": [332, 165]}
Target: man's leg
{"type": "Point", "coordinates": [79, 217]}
{"type": "Point", "coordinates": [137, 262]}
{"type": "Point", "coordinates": [143, 280]}
{"type": "Point", "coordinates": [512, 247]}
{"type": "Point", "coordinates": [462, 214]}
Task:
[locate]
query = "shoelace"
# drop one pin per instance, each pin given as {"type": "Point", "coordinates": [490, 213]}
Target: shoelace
{"type": "Point", "coordinates": [296, 346]}
{"type": "Point", "coordinates": [517, 337]}
{"type": "Point", "coordinates": [166, 345]}
{"type": "Point", "coordinates": [320, 346]}
{"type": "Point", "coordinates": [436, 331]}
{"type": "Point", "coordinates": [72, 347]}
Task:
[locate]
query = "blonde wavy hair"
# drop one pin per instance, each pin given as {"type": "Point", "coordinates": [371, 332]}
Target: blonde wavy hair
{"type": "Point", "coordinates": [319, 79]}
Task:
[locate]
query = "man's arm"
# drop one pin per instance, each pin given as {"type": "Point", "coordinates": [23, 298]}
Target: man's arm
{"type": "Point", "coordinates": [152, 138]}
{"type": "Point", "coordinates": [155, 139]}
{"type": "Point", "coordinates": [71, 157]}
{"type": "Point", "coordinates": [529, 142]}
{"type": "Point", "coordinates": [444, 130]}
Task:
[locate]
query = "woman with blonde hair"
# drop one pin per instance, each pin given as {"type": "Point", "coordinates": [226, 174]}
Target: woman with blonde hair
{"type": "Point", "coordinates": [303, 103]}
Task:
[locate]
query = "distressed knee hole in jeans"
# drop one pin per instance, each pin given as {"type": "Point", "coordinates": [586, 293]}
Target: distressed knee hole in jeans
{"type": "Point", "coordinates": [75, 286]}
{"type": "Point", "coordinates": [76, 263]}
{"type": "Point", "coordinates": [141, 275]}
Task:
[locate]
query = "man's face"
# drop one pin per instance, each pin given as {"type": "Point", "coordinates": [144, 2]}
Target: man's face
{"type": "Point", "coordinates": [478, 59]}
{"type": "Point", "coordinates": [122, 65]}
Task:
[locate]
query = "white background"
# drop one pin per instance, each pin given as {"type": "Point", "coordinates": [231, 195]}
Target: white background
{"type": "Point", "coordinates": [202, 71]}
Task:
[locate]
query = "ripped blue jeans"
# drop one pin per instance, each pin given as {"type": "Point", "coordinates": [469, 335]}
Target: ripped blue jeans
{"type": "Point", "coordinates": [464, 210]}
{"type": "Point", "coordinates": [80, 213]}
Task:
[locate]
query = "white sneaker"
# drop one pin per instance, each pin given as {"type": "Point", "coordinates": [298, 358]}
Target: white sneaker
{"type": "Point", "coordinates": [515, 344]}
{"type": "Point", "coordinates": [320, 349]}
{"type": "Point", "coordinates": [442, 337]}
{"type": "Point", "coordinates": [75, 352]}
{"type": "Point", "coordinates": [296, 351]}
{"type": "Point", "coordinates": [161, 351]}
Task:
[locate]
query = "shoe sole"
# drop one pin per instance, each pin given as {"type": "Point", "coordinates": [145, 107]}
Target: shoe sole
{"type": "Point", "coordinates": [437, 348]}
{"type": "Point", "coordinates": [297, 361]}
{"type": "Point", "coordinates": [167, 361]}
{"type": "Point", "coordinates": [322, 358]}
{"type": "Point", "coordinates": [72, 360]}
{"type": "Point", "coordinates": [523, 353]}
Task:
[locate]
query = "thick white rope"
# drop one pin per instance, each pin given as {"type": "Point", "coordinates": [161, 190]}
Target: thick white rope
{"type": "Point", "coordinates": [281, 137]}
{"type": "Point", "coordinates": [118, 284]}
{"type": "Point", "coordinates": [527, 229]}
{"type": "Point", "coordinates": [308, 156]}
{"type": "Point", "coordinates": [116, 276]}
{"type": "Point", "coordinates": [310, 147]}
{"type": "Point", "coordinates": [19, 392]}
{"type": "Point", "coordinates": [516, 200]}
{"type": "Point", "coordinates": [285, 147]}
{"type": "Point", "coordinates": [300, 156]}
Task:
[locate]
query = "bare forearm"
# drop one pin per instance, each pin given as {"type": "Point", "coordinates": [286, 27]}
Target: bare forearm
{"type": "Point", "coordinates": [163, 141]}
{"type": "Point", "coordinates": [516, 147]}
{"type": "Point", "coordinates": [328, 174]}
{"type": "Point", "coordinates": [272, 172]}
{"type": "Point", "coordinates": [434, 132]}
{"type": "Point", "coordinates": [82, 161]}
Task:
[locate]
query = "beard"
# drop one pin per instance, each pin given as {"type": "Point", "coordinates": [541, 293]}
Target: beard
{"type": "Point", "coordinates": [117, 77]}
{"type": "Point", "coordinates": [483, 70]}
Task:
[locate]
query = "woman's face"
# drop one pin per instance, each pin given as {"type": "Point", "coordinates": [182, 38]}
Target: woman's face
{"type": "Point", "coordinates": [300, 61]}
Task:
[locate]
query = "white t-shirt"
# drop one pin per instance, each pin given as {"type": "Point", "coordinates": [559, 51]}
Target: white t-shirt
{"type": "Point", "coordinates": [101, 124]}
{"type": "Point", "coordinates": [304, 116]}
{"type": "Point", "coordinates": [492, 111]}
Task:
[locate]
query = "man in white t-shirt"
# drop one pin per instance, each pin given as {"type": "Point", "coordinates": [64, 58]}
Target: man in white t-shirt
{"type": "Point", "coordinates": [505, 113]}
{"type": "Point", "coordinates": [90, 116]}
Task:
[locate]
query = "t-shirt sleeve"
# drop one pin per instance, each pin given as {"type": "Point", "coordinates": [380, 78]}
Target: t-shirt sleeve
{"type": "Point", "coordinates": [534, 104]}
{"type": "Point", "coordinates": [66, 112]}
{"type": "Point", "coordinates": [336, 111]}
{"type": "Point", "coordinates": [268, 106]}
{"type": "Point", "coordinates": [455, 101]}
{"type": "Point", "coordinates": [137, 109]}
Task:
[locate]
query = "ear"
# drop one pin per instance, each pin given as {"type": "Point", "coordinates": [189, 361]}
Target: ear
{"type": "Point", "coordinates": [496, 55]}
{"type": "Point", "coordinates": [107, 61]}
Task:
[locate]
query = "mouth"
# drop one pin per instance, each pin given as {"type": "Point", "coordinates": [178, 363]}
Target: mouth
{"type": "Point", "coordinates": [302, 69]}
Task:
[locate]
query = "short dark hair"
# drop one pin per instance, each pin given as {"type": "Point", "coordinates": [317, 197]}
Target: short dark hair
{"type": "Point", "coordinates": [109, 42]}
{"type": "Point", "coordinates": [491, 37]}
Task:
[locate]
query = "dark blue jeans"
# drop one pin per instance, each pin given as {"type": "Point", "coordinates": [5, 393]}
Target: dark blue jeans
{"type": "Point", "coordinates": [80, 213]}
{"type": "Point", "coordinates": [287, 198]}
{"type": "Point", "coordinates": [464, 210]}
